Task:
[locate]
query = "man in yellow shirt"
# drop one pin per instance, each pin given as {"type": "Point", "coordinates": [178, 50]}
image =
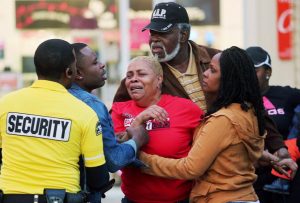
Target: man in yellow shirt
{"type": "Point", "coordinates": [44, 130]}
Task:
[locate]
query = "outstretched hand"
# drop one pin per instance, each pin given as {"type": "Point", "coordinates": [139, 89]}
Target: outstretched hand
{"type": "Point", "coordinates": [284, 165]}
{"type": "Point", "coordinates": [281, 165]}
{"type": "Point", "coordinates": [152, 112]}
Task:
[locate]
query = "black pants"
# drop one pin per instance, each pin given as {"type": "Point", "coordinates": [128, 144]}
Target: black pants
{"type": "Point", "coordinates": [126, 200]}
{"type": "Point", "coordinates": [27, 198]}
{"type": "Point", "coordinates": [264, 177]}
{"type": "Point", "coordinates": [295, 185]}
{"type": "Point", "coordinates": [22, 198]}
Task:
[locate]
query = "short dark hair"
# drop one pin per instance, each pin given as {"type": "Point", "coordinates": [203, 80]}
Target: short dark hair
{"type": "Point", "coordinates": [239, 84]}
{"type": "Point", "coordinates": [77, 48]}
{"type": "Point", "coordinates": [52, 58]}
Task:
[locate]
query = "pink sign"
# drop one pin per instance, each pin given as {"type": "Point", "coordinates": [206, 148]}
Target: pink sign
{"type": "Point", "coordinates": [137, 37]}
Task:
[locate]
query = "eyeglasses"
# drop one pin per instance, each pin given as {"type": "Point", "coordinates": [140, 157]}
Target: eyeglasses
{"type": "Point", "coordinates": [266, 62]}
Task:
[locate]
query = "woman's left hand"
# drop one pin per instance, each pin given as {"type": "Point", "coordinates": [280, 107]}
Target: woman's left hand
{"type": "Point", "coordinates": [152, 112]}
{"type": "Point", "coordinates": [284, 165]}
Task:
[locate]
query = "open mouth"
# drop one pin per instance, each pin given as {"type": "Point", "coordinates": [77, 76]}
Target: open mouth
{"type": "Point", "coordinates": [135, 89]}
{"type": "Point", "coordinates": [103, 75]}
{"type": "Point", "coordinates": [156, 49]}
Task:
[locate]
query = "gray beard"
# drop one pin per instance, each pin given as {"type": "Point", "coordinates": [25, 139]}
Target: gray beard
{"type": "Point", "coordinates": [168, 57]}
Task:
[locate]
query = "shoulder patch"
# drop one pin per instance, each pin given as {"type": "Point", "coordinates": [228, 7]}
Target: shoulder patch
{"type": "Point", "coordinates": [98, 128]}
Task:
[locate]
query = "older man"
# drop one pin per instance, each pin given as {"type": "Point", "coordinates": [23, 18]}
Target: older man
{"type": "Point", "coordinates": [184, 61]}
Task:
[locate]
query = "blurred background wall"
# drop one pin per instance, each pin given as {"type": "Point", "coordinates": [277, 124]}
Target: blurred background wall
{"type": "Point", "coordinates": [113, 29]}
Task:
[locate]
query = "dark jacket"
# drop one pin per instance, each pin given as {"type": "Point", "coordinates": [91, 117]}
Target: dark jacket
{"type": "Point", "coordinates": [172, 86]}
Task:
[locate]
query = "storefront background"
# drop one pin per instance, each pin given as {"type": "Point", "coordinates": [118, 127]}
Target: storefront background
{"type": "Point", "coordinates": [216, 23]}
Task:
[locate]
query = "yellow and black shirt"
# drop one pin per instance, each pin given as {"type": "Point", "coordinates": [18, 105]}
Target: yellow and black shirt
{"type": "Point", "coordinates": [43, 131]}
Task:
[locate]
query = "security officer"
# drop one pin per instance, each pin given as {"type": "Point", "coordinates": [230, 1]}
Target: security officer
{"type": "Point", "coordinates": [44, 130]}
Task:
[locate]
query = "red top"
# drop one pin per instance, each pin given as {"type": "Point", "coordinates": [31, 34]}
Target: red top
{"type": "Point", "coordinates": [171, 139]}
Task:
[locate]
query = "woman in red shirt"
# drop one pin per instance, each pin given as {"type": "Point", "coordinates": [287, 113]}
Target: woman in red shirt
{"type": "Point", "coordinates": [170, 122]}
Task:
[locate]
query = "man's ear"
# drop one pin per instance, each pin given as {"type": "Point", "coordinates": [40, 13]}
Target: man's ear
{"type": "Point", "coordinates": [69, 73]}
{"type": "Point", "coordinates": [184, 36]}
{"type": "Point", "coordinates": [269, 72]}
{"type": "Point", "coordinates": [79, 75]}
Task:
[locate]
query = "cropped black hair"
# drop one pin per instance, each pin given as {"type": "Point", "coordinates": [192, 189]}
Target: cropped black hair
{"type": "Point", "coordinates": [239, 84]}
{"type": "Point", "coordinates": [77, 48]}
{"type": "Point", "coordinates": [52, 58]}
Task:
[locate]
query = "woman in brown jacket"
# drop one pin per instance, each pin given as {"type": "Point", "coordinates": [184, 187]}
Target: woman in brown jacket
{"type": "Point", "coordinates": [230, 139]}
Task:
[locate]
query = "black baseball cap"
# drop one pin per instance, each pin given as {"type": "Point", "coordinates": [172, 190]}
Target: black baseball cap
{"type": "Point", "coordinates": [166, 15]}
{"type": "Point", "coordinates": [259, 56]}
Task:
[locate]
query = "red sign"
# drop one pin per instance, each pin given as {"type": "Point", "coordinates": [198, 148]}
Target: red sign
{"type": "Point", "coordinates": [36, 14]}
{"type": "Point", "coordinates": [137, 37]}
{"type": "Point", "coordinates": [284, 29]}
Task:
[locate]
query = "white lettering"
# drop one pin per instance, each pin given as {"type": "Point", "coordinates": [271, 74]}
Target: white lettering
{"type": "Point", "coordinates": [38, 126]}
{"type": "Point", "coordinates": [281, 22]}
{"type": "Point", "coordinates": [272, 112]}
{"type": "Point", "coordinates": [279, 111]}
{"type": "Point", "coordinates": [149, 125]}
{"type": "Point", "coordinates": [127, 122]}
{"type": "Point", "coordinates": [168, 26]}
{"type": "Point", "coordinates": [159, 13]}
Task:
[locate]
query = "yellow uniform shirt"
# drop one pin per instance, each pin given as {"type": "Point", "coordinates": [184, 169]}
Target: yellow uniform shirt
{"type": "Point", "coordinates": [190, 82]}
{"type": "Point", "coordinates": [43, 130]}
